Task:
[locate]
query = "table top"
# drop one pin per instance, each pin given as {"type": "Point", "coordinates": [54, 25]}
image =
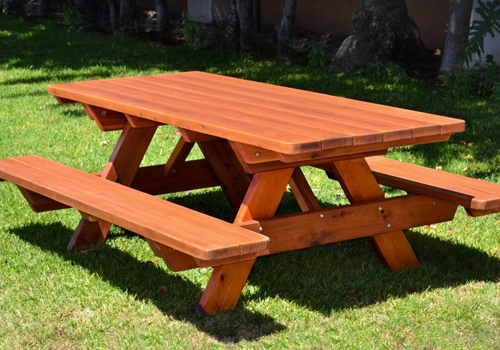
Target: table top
{"type": "Point", "coordinates": [276, 118]}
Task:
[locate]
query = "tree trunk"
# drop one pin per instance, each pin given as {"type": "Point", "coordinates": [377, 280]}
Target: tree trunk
{"type": "Point", "coordinates": [233, 28]}
{"type": "Point", "coordinates": [456, 35]}
{"type": "Point", "coordinates": [41, 7]}
{"type": "Point", "coordinates": [286, 26]}
{"type": "Point", "coordinates": [247, 23]}
{"type": "Point", "coordinates": [160, 15]}
{"type": "Point", "coordinates": [113, 15]}
{"type": "Point", "coordinates": [256, 15]}
{"type": "Point", "coordinates": [87, 10]}
{"type": "Point", "coordinates": [127, 11]}
{"type": "Point", "coordinates": [382, 32]}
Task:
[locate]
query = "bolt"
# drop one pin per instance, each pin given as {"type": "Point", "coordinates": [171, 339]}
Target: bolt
{"type": "Point", "coordinates": [322, 215]}
{"type": "Point", "coordinates": [389, 225]}
{"type": "Point", "coordinates": [434, 203]}
{"type": "Point", "coordinates": [257, 154]}
{"type": "Point", "coordinates": [380, 208]}
{"type": "Point", "coordinates": [103, 113]}
{"type": "Point", "coordinates": [261, 229]}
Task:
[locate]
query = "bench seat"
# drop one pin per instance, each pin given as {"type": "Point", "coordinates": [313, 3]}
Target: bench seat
{"type": "Point", "coordinates": [187, 231]}
{"type": "Point", "coordinates": [476, 196]}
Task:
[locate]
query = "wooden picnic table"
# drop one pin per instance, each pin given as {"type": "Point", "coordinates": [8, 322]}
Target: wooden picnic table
{"type": "Point", "coordinates": [255, 138]}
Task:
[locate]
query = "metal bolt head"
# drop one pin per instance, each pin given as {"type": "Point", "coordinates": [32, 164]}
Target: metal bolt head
{"type": "Point", "coordinates": [389, 225]}
{"type": "Point", "coordinates": [322, 215]}
{"type": "Point", "coordinates": [261, 229]}
{"type": "Point", "coordinates": [434, 202]}
{"type": "Point", "coordinates": [257, 154]}
{"type": "Point", "coordinates": [103, 113]}
{"type": "Point", "coordinates": [380, 208]}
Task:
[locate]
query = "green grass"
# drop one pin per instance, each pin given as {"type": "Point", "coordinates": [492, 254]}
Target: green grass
{"type": "Point", "coordinates": [336, 296]}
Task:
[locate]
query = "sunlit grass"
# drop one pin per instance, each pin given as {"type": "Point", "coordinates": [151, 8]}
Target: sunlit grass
{"type": "Point", "coordinates": [119, 296]}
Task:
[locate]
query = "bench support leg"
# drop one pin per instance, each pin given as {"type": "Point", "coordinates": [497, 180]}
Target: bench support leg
{"type": "Point", "coordinates": [121, 167]}
{"type": "Point", "coordinates": [360, 185]}
{"type": "Point", "coordinates": [261, 201]}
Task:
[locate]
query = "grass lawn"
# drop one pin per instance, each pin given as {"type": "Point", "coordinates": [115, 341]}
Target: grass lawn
{"type": "Point", "coordinates": [119, 296]}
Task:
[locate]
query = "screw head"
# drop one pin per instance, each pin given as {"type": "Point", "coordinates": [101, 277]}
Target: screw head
{"type": "Point", "coordinates": [103, 113]}
{"type": "Point", "coordinates": [322, 215]}
{"type": "Point", "coordinates": [434, 202]}
{"type": "Point", "coordinates": [257, 154]}
{"type": "Point", "coordinates": [389, 225]}
{"type": "Point", "coordinates": [261, 229]}
{"type": "Point", "coordinates": [380, 208]}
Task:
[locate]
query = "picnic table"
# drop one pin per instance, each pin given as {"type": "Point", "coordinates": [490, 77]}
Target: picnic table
{"type": "Point", "coordinates": [255, 138]}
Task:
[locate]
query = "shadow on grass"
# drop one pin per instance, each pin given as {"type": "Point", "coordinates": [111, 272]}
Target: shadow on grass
{"type": "Point", "coordinates": [324, 279]}
{"type": "Point", "coordinates": [142, 279]}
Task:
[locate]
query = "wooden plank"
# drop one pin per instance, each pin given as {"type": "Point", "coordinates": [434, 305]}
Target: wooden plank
{"type": "Point", "coordinates": [302, 192]}
{"type": "Point", "coordinates": [227, 169]}
{"type": "Point", "coordinates": [193, 136]}
{"type": "Point", "coordinates": [121, 167]}
{"type": "Point", "coordinates": [192, 175]}
{"type": "Point", "coordinates": [276, 118]}
{"type": "Point", "coordinates": [360, 185]}
{"type": "Point", "coordinates": [107, 120]}
{"type": "Point", "coordinates": [40, 203]}
{"type": "Point", "coordinates": [383, 146]}
{"type": "Point", "coordinates": [137, 122]}
{"type": "Point", "coordinates": [311, 101]}
{"type": "Point", "coordinates": [187, 116]}
{"type": "Point", "coordinates": [154, 218]}
{"type": "Point", "coordinates": [178, 156]}
{"type": "Point", "coordinates": [331, 225]}
{"type": "Point", "coordinates": [474, 194]}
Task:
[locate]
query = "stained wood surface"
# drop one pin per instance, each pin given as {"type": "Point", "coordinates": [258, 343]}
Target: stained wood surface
{"type": "Point", "coordinates": [190, 232]}
{"type": "Point", "coordinates": [276, 118]}
{"type": "Point", "coordinates": [470, 193]}
{"type": "Point", "coordinates": [360, 186]}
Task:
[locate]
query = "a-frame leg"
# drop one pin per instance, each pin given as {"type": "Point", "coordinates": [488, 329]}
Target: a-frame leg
{"type": "Point", "coordinates": [121, 167]}
{"type": "Point", "coordinates": [226, 166]}
{"type": "Point", "coordinates": [261, 201]}
{"type": "Point", "coordinates": [360, 185]}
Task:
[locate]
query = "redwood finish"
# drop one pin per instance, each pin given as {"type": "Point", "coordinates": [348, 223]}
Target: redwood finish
{"type": "Point", "coordinates": [255, 137]}
{"type": "Point", "coordinates": [151, 217]}
{"type": "Point", "coordinates": [360, 186]}
{"type": "Point", "coordinates": [121, 167]}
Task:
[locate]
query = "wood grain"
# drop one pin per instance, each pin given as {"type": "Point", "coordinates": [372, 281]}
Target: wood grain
{"type": "Point", "coordinates": [276, 118]}
{"type": "Point", "coordinates": [360, 185]}
{"type": "Point", "coordinates": [477, 195]}
{"type": "Point", "coordinates": [166, 223]}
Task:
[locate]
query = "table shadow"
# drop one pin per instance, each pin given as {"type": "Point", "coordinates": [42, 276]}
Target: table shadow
{"type": "Point", "coordinates": [173, 295]}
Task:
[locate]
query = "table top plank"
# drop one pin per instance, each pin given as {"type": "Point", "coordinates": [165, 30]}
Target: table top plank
{"type": "Point", "coordinates": [280, 119]}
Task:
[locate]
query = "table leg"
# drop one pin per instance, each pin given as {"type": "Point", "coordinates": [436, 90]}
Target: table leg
{"type": "Point", "coordinates": [360, 185]}
{"type": "Point", "coordinates": [226, 166]}
{"type": "Point", "coordinates": [121, 167]}
{"type": "Point", "coordinates": [227, 281]}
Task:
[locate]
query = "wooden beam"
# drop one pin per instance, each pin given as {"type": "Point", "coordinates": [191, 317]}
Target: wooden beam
{"type": "Point", "coordinates": [330, 225]}
{"type": "Point", "coordinates": [226, 166]}
{"type": "Point", "coordinates": [178, 156]}
{"type": "Point", "coordinates": [121, 167]}
{"type": "Point", "coordinates": [106, 119]}
{"type": "Point", "coordinates": [302, 191]}
{"type": "Point", "coordinates": [360, 185]}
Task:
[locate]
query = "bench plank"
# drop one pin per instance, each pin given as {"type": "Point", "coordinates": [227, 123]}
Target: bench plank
{"type": "Point", "coordinates": [193, 233]}
{"type": "Point", "coordinates": [479, 196]}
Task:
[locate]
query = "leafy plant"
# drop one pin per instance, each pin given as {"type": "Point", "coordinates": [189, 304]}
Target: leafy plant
{"type": "Point", "coordinates": [480, 81]}
{"type": "Point", "coordinates": [488, 24]}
